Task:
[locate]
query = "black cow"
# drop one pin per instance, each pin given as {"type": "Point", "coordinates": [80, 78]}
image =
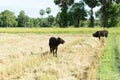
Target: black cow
{"type": "Point", "coordinates": [53, 44]}
{"type": "Point", "coordinates": [102, 33]}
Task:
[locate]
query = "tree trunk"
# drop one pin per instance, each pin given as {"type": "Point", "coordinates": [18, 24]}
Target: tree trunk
{"type": "Point", "coordinates": [105, 18]}
{"type": "Point", "coordinates": [64, 16]}
{"type": "Point", "coordinates": [77, 23]}
{"type": "Point", "coordinates": [91, 19]}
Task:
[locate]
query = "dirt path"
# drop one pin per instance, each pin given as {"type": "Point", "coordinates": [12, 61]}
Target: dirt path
{"type": "Point", "coordinates": [77, 59]}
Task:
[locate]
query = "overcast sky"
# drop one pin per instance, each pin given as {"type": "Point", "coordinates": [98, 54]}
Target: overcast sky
{"type": "Point", "coordinates": [31, 7]}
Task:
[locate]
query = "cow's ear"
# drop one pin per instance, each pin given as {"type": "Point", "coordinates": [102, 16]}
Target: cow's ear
{"type": "Point", "coordinates": [58, 38]}
{"type": "Point", "coordinates": [98, 32]}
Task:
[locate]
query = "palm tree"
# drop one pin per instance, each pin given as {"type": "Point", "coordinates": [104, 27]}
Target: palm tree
{"type": "Point", "coordinates": [64, 4]}
{"type": "Point", "coordinates": [91, 4]}
{"type": "Point", "coordinates": [48, 10]}
{"type": "Point", "coordinates": [42, 12]}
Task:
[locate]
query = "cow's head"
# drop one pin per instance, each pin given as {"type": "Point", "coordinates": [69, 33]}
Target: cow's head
{"type": "Point", "coordinates": [60, 40]}
{"type": "Point", "coordinates": [97, 34]}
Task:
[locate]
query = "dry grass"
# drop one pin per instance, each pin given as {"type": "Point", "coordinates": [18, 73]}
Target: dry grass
{"type": "Point", "coordinates": [21, 59]}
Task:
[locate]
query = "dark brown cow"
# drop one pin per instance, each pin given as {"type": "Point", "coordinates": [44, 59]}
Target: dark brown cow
{"type": "Point", "coordinates": [102, 33]}
{"type": "Point", "coordinates": [53, 44]}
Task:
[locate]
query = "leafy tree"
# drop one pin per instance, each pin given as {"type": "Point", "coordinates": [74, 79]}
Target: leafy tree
{"type": "Point", "coordinates": [36, 22]}
{"type": "Point", "coordinates": [104, 9]}
{"type": "Point", "coordinates": [117, 1]}
{"type": "Point", "coordinates": [70, 18]}
{"type": "Point", "coordinates": [44, 22]}
{"type": "Point", "coordinates": [33, 22]}
{"type": "Point", "coordinates": [109, 13]}
{"type": "Point", "coordinates": [7, 19]}
{"type": "Point", "coordinates": [91, 4]}
{"type": "Point", "coordinates": [29, 22]}
{"type": "Point", "coordinates": [57, 19]}
{"type": "Point", "coordinates": [63, 4]}
{"type": "Point", "coordinates": [50, 20]}
{"type": "Point", "coordinates": [114, 15]}
{"type": "Point", "coordinates": [22, 19]}
{"type": "Point", "coordinates": [1, 21]}
{"type": "Point", "coordinates": [78, 13]}
{"type": "Point", "coordinates": [108, 10]}
{"type": "Point", "coordinates": [98, 15]}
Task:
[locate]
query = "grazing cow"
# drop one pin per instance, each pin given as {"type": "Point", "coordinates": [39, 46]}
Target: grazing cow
{"type": "Point", "coordinates": [102, 33]}
{"type": "Point", "coordinates": [53, 44]}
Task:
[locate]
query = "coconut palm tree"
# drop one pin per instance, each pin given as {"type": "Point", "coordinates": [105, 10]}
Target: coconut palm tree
{"type": "Point", "coordinates": [48, 10]}
{"type": "Point", "coordinates": [42, 12]}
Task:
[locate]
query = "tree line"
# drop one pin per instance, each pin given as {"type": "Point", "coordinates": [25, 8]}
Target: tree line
{"type": "Point", "coordinates": [109, 13]}
{"type": "Point", "coordinates": [8, 19]}
{"type": "Point", "coordinates": [71, 14]}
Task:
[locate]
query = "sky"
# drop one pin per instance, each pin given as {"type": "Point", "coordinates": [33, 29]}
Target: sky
{"type": "Point", "coordinates": [31, 7]}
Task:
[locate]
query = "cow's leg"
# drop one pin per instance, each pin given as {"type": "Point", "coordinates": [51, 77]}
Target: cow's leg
{"type": "Point", "coordinates": [99, 37]}
{"type": "Point", "coordinates": [106, 35]}
{"type": "Point", "coordinates": [51, 50]}
{"type": "Point", "coordinates": [56, 51]}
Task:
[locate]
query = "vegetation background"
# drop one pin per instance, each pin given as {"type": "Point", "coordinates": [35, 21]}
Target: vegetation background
{"type": "Point", "coordinates": [68, 20]}
{"type": "Point", "coordinates": [71, 14]}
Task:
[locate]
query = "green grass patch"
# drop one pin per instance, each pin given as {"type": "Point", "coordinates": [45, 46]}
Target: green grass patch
{"type": "Point", "coordinates": [108, 66]}
{"type": "Point", "coordinates": [117, 53]}
{"type": "Point", "coordinates": [57, 30]}
{"type": "Point", "coordinates": [115, 30]}
{"type": "Point", "coordinates": [49, 30]}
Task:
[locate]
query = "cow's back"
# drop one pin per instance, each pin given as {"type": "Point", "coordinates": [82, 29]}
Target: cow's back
{"type": "Point", "coordinates": [52, 42]}
{"type": "Point", "coordinates": [106, 33]}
